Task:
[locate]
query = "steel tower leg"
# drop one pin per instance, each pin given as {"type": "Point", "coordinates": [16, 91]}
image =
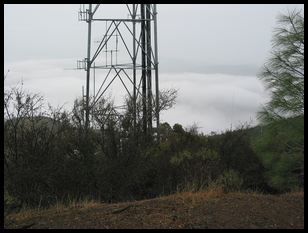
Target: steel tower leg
{"type": "Point", "coordinates": [149, 71]}
{"type": "Point", "coordinates": [143, 64]}
{"type": "Point", "coordinates": [88, 66]}
{"type": "Point", "coordinates": [156, 69]}
{"type": "Point", "coordinates": [134, 69]}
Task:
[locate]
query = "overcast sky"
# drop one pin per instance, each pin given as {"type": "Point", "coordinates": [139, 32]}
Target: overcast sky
{"type": "Point", "coordinates": [210, 53]}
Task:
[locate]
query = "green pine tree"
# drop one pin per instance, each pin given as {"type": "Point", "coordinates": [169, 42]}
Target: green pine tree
{"type": "Point", "coordinates": [283, 73]}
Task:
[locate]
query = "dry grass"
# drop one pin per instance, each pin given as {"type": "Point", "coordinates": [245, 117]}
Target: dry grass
{"type": "Point", "coordinates": [192, 198]}
{"type": "Point", "coordinates": [299, 194]}
{"type": "Point", "coordinates": [59, 207]}
{"type": "Point", "coordinates": [211, 208]}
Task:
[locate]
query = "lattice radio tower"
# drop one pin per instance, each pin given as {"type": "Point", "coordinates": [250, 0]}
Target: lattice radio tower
{"type": "Point", "coordinates": [137, 32]}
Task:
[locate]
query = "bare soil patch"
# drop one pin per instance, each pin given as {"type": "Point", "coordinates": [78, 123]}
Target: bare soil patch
{"type": "Point", "coordinates": [185, 210]}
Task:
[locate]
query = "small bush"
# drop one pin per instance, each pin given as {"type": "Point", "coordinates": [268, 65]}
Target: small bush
{"type": "Point", "coordinates": [11, 204]}
{"type": "Point", "coordinates": [230, 180]}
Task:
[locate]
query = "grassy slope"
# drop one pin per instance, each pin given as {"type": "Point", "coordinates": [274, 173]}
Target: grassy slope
{"type": "Point", "coordinates": [211, 209]}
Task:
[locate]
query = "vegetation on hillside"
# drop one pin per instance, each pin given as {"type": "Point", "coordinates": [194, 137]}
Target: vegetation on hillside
{"type": "Point", "coordinates": [48, 159]}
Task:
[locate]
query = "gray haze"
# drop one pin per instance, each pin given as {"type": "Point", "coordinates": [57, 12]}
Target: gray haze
{"type": "Point", "coordinates": [210, 53]}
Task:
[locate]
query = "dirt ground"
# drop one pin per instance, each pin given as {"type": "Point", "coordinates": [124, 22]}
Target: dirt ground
{"type": "Point", "coordinates": [206, 210]}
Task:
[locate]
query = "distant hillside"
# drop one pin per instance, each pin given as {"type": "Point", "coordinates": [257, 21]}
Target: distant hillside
{"type": "Point", "coordinates": [291, 126]}
{"type": "Point", "coordinates": [37, 121]}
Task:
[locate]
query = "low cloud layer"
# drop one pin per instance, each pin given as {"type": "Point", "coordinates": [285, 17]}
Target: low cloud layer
{"type": "Point", "coordinates": [212, 101]}
{"type": "Point", "coordinates": [176, 65]}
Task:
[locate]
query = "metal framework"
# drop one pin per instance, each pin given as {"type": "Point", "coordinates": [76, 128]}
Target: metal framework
{"type": "Point", "coordinates": [138, 35]}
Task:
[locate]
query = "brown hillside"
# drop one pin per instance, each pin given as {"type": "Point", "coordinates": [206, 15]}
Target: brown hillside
{"type": "Point", "coordinates": [212, 209]}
